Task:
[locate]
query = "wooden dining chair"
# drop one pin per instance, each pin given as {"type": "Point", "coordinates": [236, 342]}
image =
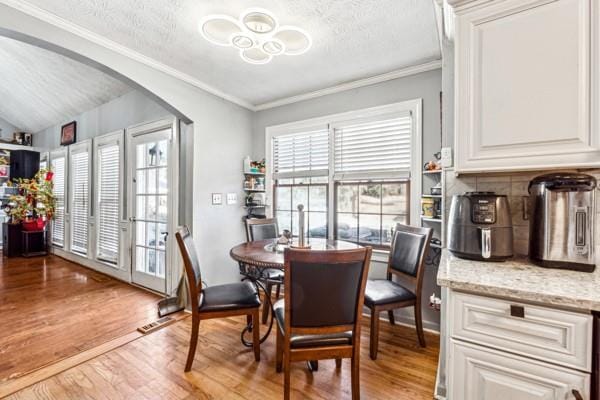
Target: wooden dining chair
{"type": "Point", "coordinates": [263, 229]}
{"type": "Point", "coordinates": [410, 246]}
{"type": "Point", "coordinates": [319, 316]}
{"type": "Point", "coordinates": [240, 298]}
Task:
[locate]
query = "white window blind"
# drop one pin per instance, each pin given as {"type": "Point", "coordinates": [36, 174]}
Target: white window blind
{"type": "Point", "coordinates": [58, 179]}
{"type": "Point", "coordinates": [301, 154]}
{"type": "Point", "coordinates": [79, 172]}
{"type": "Point", "coordinates": [379, 146]}
{"type": "Point", "coordinates": [108, 202]}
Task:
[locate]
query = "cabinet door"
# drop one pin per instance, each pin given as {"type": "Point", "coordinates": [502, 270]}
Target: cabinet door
{"type": "Point", "coordinates": [478, 373]}
{"type": "Point", "coordinates": [525, 84]}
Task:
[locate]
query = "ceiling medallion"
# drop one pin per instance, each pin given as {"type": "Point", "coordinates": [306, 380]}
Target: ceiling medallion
{"type": "Point", "coordinates": [256, 34]}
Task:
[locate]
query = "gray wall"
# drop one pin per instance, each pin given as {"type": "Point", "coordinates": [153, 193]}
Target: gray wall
{"type": "Point", "coordinates": [427, 86]}
{"type": "Point", "coordinates": [7, 129]}
{"type": "Point", "coordinates": [130, 109]}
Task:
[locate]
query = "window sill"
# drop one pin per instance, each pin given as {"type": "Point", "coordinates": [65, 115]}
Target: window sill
{"type": "Point", "coordinates": [380, 256]}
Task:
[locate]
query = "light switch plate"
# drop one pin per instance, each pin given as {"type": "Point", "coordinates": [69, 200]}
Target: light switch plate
{"type": "Point", "coordinates": [231, 198]}
{"type": "Point", "coordinates": [446, 157]}
{"type": "Point", "coordinates": [217, 199]}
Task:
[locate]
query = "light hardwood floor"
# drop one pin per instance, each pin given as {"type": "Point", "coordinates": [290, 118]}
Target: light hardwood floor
{"type": "Point", "coordinates": [51, 309]}
{"type": "Point", "coordinates": [152, 368]}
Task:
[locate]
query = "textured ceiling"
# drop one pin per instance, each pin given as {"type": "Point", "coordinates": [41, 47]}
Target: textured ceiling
{"type": "Point", "coordinates": [352, 39]}
{"type": "Point", "coordinates": [39, 88]}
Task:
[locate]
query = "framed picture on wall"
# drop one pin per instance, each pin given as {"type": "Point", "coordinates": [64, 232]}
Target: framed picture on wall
{"type": "Point", "coordinates": [67, 133]}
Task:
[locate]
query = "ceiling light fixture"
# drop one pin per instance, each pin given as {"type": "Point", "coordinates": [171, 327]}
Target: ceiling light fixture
{"type": "Point", "coordinates": [256, 34]}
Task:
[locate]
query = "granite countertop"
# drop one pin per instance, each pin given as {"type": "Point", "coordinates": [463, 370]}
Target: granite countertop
{"type": "Point", "coordinates": [519, 279]}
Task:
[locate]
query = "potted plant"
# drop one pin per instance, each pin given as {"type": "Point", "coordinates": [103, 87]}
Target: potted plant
{"type": "Point", "coordinates": [34, 203]}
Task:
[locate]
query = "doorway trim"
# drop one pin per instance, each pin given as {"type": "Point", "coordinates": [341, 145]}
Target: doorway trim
{"type": "Point", "coordinates": [172, 260]}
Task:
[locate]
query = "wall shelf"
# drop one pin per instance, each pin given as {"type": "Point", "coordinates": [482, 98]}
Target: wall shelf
{"type": "Point", "coordinates": [429, 219]}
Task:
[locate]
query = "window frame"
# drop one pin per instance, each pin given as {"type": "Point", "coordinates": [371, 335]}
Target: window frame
{"type": "Point", "coordinates": [360, 183]}
{"type": "Point", "coordinates": [413, 106]}
{"type": "Point", "coordinates": [80, 147]}
{"type": "Point", "coordinates": [108, 139]}
{"type": "Point", "coordinates": [307, 206]}
{"type": "Point", "coordinates": [54, 155]}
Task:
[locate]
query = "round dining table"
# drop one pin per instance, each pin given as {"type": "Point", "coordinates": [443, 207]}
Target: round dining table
{"type": "Point", "coordinates": [256, 258]}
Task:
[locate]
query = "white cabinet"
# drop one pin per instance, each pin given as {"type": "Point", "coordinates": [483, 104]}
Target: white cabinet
{"type": "Point", "coordinates": [526, 84]}
{"type": "Point", "coordinates": [498, 349]}
{"type": "Point", "coordinates": [478, 373]}
{"type": "Point", "coordinates": [555, 336]}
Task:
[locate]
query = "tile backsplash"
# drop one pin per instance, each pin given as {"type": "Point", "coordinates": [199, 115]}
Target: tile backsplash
{"type": "Point", "coordinates": [514, 185]}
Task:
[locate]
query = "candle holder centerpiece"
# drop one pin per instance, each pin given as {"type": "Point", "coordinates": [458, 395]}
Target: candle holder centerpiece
{"type": "Point", "coordinates": [302, 242]}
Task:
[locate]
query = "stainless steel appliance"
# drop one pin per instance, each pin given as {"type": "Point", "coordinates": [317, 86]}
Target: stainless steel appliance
{"type": "Point", "coordinates": [480, 226]}
{"type": "Point", "coordinates": [562, 213]}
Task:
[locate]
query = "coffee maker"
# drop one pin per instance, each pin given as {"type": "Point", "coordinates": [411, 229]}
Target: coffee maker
{"type": "Point", "coordinates": [562, 209]}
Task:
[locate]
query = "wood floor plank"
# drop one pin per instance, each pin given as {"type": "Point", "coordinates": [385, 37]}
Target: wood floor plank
{"type": "Point", "coordinates": [151, 367]}
{"type": "Point", "coordinates": [52, 309]}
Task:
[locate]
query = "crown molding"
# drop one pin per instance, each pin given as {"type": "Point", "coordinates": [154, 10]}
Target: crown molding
{"type": "Point", "coordinates": [52, 19]}
{"type": "Point", "coordinates": [400, 73]}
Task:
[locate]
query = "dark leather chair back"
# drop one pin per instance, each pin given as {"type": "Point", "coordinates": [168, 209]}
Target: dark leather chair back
{"type": "Point", "coordinates": [191, 263]}
{"type": "Point", "coordinates": [409, 249]}
{"type": "Point", "coordinates": [261, 229]}
{"type": "Point", "coordinates": [326, 288]}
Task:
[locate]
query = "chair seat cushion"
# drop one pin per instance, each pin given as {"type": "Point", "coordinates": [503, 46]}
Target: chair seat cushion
{"type": "Point", "coordinates": [229, 297]}
{"type": "Point", "coordinates": [299, 341]}
{"type": "Point", "coordinates": [383, 291]}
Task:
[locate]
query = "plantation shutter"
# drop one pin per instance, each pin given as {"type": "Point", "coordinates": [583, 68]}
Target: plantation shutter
{"type": "Point", "coordinates": [301, 154]}
{"type": "Point", "coordinates": [377, 147]}
{"type": "Point", "coordinates": [58, 225]}
{"type": "Point", "coordinates": [108, 202]}
{"type": "Point", "coordinates": [79, 207]}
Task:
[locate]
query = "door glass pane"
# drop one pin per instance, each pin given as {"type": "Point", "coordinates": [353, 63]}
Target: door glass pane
{"type": "Point", "coordinates": [318, 198]}
{"type": "Point", "coordinates": [283, 199]}
{"type": "Point", "coordinates": [151, 207]}
{"type": "Point", "coordinates": [317, 224]}
{"type": "Point", "coordinates": [370, 199]}
{"type": "Point", "coordinates": [347, 198]}
{"type": "Point", "coordinates": [394, 198]}
{"type": "Point", "coordinates": [347, 227]}
{"type": "Point", "coordinates": [163, 184]}
{"type": "Point", "coordinates": [299, 196]}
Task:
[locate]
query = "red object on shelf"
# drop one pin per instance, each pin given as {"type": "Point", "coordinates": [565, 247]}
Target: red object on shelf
{"type": "Point", "coordinates": [34, 225]}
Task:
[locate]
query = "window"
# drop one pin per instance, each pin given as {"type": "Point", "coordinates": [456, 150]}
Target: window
{"type": "Point", "coordinates": [108, 154]}
{"type": "Point", "coordinates": [372, 164]}
{"type": "Point", "coordinates": [351, 171]}
{"type": "Point", "coordinates": [300, 174]}
{"type": "Point", "coordinates": [368, 212]}
{"type": "Point", "coordinates": [57, 164]}
{"type": "Point", "coordinates": [79, 207]}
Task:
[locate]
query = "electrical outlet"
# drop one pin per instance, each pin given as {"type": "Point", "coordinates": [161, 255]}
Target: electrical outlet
{"type": "Point", "coordinates": [446, 157]}
{"type": "Point", "coordinates": [231, 198]}
{"type": "Point", "coordinates": [217, 199]}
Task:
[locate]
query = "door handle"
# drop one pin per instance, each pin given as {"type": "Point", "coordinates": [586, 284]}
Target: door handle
{"type": "Point", "coordinates": [132, 219]}
{"type": "Point", "coordinates": [576, 394]}
{"type": "Point", "coordinates": [486, 242]}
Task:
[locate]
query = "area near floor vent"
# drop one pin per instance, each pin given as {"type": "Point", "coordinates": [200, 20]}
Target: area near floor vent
{"type": "Point", "coordinates": [151, 327]}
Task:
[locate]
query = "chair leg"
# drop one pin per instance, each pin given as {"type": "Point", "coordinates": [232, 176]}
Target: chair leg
{"type": "Point", "coordinates": [266, 308]}
{"type": "Point", "coordinates": [256, 334]}
{"type": "Point", "coordinates": [279, 350]}
{"type": "Point", "coordinates": [338, 363]}
{"type": "Point", "coordinates": [419, 325]}
{"type": "Point", "coordinates": [286, 377]}
{"type": "Point", "coordinates": [374, 339]}
{"type": "Point", "coordinates": [391, 317]}
{"type": "Point", "coordinates": [277, 291]}
{"type": "Point", "coordinates": [355, 376]}
{"type": "Point", "coordinates": [193, 343]}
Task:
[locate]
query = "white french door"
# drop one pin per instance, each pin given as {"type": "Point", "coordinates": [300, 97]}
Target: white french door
{"type": "Point", "coordinates": [78, 216]}
{"type": "Point", "coordinates": [58, 165]}
{"type": "Point", "coordinates": [108, 184]}
{"type": "Point", "coordinates": [151, 165]}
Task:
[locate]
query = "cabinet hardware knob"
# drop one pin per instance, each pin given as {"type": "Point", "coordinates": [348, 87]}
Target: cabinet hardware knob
{"type": "Point", "coordinates": [576, 394]}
